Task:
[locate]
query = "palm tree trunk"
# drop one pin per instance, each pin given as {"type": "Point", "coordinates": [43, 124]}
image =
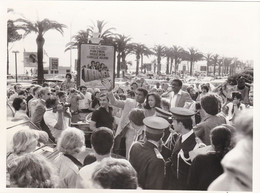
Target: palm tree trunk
{"type": "Point", "coordinates": [171, 65]}
{"type": "Point", "coordinates": [118, 65]}
{"type": "Point", "coordinates": [207, 68]}
{"type": "Point", "coordinates": [142, 62]}
{"type": "Point", "coordinates": [137, 64]}
{"type": "Point", "coordinates": [175, 65]}
{"type": "Point", "coordinates": [214, 70]}
{"type": "Point", "coordinates": [167, 65]}
{"type": "Point", "coordinates": [159, 65]}
{"type": "Point", "coordinates": [191, 63]}
{"type": "Point", "coordinates": [40, 42]}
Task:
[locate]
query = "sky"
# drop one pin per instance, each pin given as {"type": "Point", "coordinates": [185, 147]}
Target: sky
{"type": "Point", "coordinates": [230, 29]}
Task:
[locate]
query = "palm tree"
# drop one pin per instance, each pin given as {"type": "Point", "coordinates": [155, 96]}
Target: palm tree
{"type": "Point", "coordinates": [12, 35]}
{"type": "Point", "coordinates": [104, 32]}
{"type": "Point", "coordinates": [192, 55]}
{"type": "Point", "coordinates": [82, 37]}
{"type": "Point", "coordinates": [215, 59]}
{"type": "Point", "coordinates": [208, 58]}
{"type": "Point", "coordinates": [145, 52]}
{"type": "Point", "coordinates": [226, 65]}
{"type": "Point", "coordinates": [220, 64]}
{"type": "Point", "coordinates": [159, 52]}
{"type": "Point", "coordinates": [40, 28]}
{"type": "Point", "coordinates": [121, 42]}
{"type": "Point", "coordinates": [177, 55]}
{"type": "Point", "coordinates": [168, 54]}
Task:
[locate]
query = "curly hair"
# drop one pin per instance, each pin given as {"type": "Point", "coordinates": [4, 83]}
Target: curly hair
{"type": "Point", "coordinates": [32, 171]}
{"type": "Point", "coordinates": [23, 139]}
{"type": "Point", "coordinates": [157, 100]}
{"type": "Point", "coordinates": [71, 141]}
{"type": "Point", "coordinates": [137, 116]}
{"type": "Point", "coordinates": [115, 174]}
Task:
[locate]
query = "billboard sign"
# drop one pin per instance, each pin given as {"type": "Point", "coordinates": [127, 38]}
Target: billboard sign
{"type": "Point", "coordinates": [30, 59]}
{"type": "Point", "coordinates": [53, 63]}
{"type": "Point", "coordinates": [97, 62]}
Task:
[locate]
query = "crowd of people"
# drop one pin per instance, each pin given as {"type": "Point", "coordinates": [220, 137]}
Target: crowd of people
{"type": "Point", "coordinates": [141, 136]}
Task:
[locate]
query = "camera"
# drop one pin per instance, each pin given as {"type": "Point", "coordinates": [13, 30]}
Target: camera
{"type": "Point", "coordinates": [66, 105]}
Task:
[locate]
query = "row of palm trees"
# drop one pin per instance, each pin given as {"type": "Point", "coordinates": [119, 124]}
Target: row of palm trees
{"type": "Point", "coordinates": [123, 47]}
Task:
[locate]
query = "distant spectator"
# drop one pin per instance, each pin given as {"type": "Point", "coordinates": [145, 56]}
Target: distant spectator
{"type": "Point", "coordinates": [68, 83]}
{"type": "Point", "coordinates": [20, 107]}
{"type": "Point", "coordinates": [204, 91]}
{"type": "Point", "coordinates": [17, 89]}
{"type": "Point", "coordinates": [243, 89]}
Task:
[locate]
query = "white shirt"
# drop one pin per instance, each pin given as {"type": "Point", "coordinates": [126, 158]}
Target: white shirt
{"type": "Point", "coordinates": [20, 115]}
{"type": "Point", "coordinates": [51, 119]}
{"type": "Point", "coordinates": [185, 136]}
{"type": "Point", "coordinates": [84, 103]}
{"type": "Point", "coordinates": [173, 98]}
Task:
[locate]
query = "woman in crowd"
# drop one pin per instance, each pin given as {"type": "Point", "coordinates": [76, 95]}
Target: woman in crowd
{"type": "Point", "coordinates": [70, 144]}
{"type": "Point", "coordinates": [32, 171]}
{"type": "Point", "coordinates": [192, 92]}
{"type": "Point", "coordinates": [204, 91]}
{"type": "Point", "coordinates": [34, 101]}
{"type": "Point", "coordinates": [152, 100]}
{"type": "Point", "coordinates": [235, 107]}
{"type": "Point", "coordinates": [238, 162]}
{"type": "Point", "coordinates": [20, 106]}
{"type": "Point", "coordinates": [206, 168]}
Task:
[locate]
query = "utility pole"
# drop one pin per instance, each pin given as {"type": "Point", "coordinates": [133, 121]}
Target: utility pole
{"type": "Point", "coordinates": [15, 52]}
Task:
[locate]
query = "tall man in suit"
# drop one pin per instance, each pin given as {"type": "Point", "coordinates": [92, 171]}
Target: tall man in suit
{"type": "Point", "coordinates": [40, 109]}
{"type": "Point", "coordinates": [127, 105]}
{"type": "Point", "coordinates": [177, 167]}
{"type": "Point", "coordinates": [177, 96]}
{"type": "Point", "coordinates": [145, 156]}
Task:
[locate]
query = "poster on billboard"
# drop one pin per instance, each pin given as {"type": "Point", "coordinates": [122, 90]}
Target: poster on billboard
{"type": "Point", "coordinates": [53, 63]}
{"type": "Point", "coordinates": [30, 59]}
{"type": "Point", "coordinates": [97, 62]}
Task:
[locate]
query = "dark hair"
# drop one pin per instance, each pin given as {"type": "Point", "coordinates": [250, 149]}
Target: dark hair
{"type": "Point", "coordinates": [187, 123]}
{"type": "Point", "coordinates": [144, 91]}
{"type": "Point", "coordinates": [133, 83]}
{"type": "Point", "coordinates": [102, 140]}
{"type": "Point", "coordinates": [22, 92]}
{"type": "Point", "coordinates": [137, 116]}
{"type": "Point", "coordinates": [61, 93]}
{"type": "Point", "coordinates": [115, 174]}
{"type": "Point", "coordinates": [45, 84]}
{"type": "Point", "coordinates": [154, 137]}
{"type": "Point", "coordinates": [204, 86]}
{"type": "Point", "coordinates": [221, 138]}
{"type": "Point", "coordinates": [15, 86]}
{"type": "Point", "coordinates": [68, 74]}
{"type": "Point", "coordinates": [157, 100]}
{"type": "Point", "coordinates": [178, 81]}
{"type": "Point", "coordinates": [210, 103]}
{"type": "Point", "coordinates": [17, 103]}
{"type": "Point", "coordinates": [104, 95]}
{"type": "Point", "coordinates": [236, 94]}
{"type": "Point", "coordinates": [81, 87]}
{"type": "Point", "coordinates": [51, 102]}
{"type": "Point", "coordinates": [131, 93]}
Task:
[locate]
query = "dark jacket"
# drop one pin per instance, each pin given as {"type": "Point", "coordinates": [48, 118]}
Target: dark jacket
{"type": "Point", "coordinates": [149, 165]}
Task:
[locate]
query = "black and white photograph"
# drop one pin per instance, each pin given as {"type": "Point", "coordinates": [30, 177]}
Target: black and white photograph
{"type": "Point", "coordinates": [143, 95]}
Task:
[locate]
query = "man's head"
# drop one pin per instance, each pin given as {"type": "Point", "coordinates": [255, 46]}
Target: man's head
{"type": "Point", "coordinates": [155, 127]}
{"type": "Point", "coordinates": [176, 85]}
{"type": "Point", "coordinates": [62, 95]}
{"type": "Point", "coordinates": [83, 89]}
{"type": "Point", "coordinates": [102, 141]}
{"type": "Point", "coordinates": [68, 77]}
{"type": "Point", "coordinates": [134, 86]}
{"type": "Point", "coordinates": [45, 93]}
{"type": "Point", "coordinates": [114, 174]}
{"type": "Point", "coordinates": [137, 116]}
{"type": "Point", "coordinates": [140, 95]}
{"type": "Point", "coordinates": [52, 102]}
{"type": "Point", "coordinates": [103, 100]}
{"type": "Point", "coordinates": [210, 104]}
{"type": "Point", "coordinates": [17, 87]}
{"type": "Point", "coordinates": [181, 119]}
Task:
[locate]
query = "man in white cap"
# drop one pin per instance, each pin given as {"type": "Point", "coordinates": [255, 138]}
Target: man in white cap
{"type": "Point", "coordinates": [145, 156]}
{"type": "Point", "coordinates": [177, 167]}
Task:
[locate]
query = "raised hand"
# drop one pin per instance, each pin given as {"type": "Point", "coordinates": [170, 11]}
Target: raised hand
{"type": "Point", "coordinates": [107, 84]}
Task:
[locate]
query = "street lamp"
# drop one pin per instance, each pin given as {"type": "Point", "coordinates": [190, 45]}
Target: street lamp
{"type": "Point", "coordinates": [15, 52]}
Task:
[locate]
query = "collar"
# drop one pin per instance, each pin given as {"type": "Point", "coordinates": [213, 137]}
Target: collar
{"type": "Point", "coordinates": [186, 135]}
{"type": "Point", "coordinates": [156, 143]}
{"type": "Point", "coordinates": [179, 93]}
